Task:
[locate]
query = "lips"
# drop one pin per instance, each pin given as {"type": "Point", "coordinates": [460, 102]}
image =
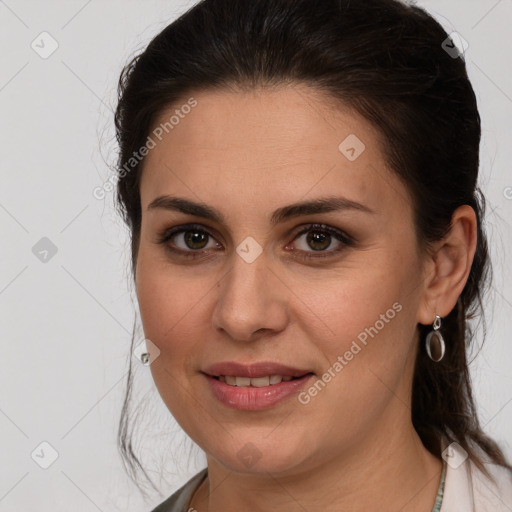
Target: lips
{"type": "Point", "coordinates": [254, 370]}
{"type": "Point", "coordinates": [255, 382]}
{"type": "Point", "coordinates": [256, 386]}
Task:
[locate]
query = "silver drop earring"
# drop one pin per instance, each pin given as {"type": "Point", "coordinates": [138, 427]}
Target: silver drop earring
{"type": "Point", "coordinates": [436, 350]}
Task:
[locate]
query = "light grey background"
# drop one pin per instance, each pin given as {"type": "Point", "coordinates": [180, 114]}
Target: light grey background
{"type": "Point", "coordinates": [66, 322]}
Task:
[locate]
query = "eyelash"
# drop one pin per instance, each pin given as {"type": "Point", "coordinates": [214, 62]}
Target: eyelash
{"type": "Point", "coordinates": [342, 237]}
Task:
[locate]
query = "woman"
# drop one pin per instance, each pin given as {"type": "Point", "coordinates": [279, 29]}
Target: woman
{"type": "Point", "coordinates": [300, 183]}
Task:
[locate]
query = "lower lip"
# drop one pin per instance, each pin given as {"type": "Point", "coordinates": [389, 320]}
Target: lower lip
{"type": "Point", "coordinates": [254, 399]}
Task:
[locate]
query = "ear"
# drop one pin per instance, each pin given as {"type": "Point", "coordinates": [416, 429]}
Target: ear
{"type": "Point", "coordinates": [447, 268]}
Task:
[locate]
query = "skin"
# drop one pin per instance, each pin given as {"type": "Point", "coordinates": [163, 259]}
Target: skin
{"type": "Point", "coordinates": [353, 446]}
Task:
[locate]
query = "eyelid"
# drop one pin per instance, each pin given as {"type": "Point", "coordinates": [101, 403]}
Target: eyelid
{"type": "Point", "coordinates": [311, 226]}
{"type": "Point", "coordinates": [340, 235]}
{"type": "Point", "coordinates": [164, 236]}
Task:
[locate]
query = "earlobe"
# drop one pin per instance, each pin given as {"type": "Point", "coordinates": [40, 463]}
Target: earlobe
{"type": "Point", "coordinates": [451, 264]}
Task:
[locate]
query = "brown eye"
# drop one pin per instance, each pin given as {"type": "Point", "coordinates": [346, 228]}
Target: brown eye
{"type": "Point", "coordinates": [188, 241]}
{"type": "Point", "coordinates": [319, 238]}
{"type": "Point", "coordinates": [195, 239]}
{"type": "Point", "coordinates": [192, 241]}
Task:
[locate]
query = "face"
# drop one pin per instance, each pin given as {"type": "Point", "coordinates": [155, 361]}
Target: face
{"type": "Point", "coordinates": [326, 296]}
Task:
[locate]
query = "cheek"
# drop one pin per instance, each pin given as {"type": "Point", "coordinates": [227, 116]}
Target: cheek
{"type": "Point", "coordinates": [367, 320]}
{"type": "Point", "coordinates": [167, 308]}
{"type": "Point", "coordinates": [365, 353]}
{"type": "Point", "coordinates": [172, 304]}
{"type": "Point", "coordinates": [162, 303]}
{"type": "Point", "coordinates": [167, 299]}
{"type": "Point", "coordinates": [355, 300]}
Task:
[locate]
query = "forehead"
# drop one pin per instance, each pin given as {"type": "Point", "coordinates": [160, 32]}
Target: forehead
{"type": "Point", "coordinates": [268, 145]}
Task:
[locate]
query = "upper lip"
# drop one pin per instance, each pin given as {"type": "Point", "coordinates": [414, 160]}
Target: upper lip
{"type": "Point", "coordinates": [261, 369]}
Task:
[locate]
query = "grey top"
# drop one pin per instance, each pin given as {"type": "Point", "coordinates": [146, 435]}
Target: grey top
{"type": "Point", "coordinates": [180, 500]}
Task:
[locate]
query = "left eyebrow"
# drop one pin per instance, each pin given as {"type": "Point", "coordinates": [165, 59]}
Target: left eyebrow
{"type": "Point", "coordinates": [319, 205]}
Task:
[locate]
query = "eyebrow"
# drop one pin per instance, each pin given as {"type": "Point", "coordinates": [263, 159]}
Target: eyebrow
{"type": "Point", "coordinates": [319, 205]}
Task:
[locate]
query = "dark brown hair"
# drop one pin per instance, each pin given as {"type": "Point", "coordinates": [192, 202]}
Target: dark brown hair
{"type": "Point", "coordinates": [385, 59]}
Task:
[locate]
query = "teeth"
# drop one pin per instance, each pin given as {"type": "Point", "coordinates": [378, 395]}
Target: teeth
{"type": "Point", "coordinates": [257, 382]}
{"type": "Point", "coordinates": [275, 379]}
{"type": "Point", "coordinates": [242, 381]}
{"type": "Point", "coordinates": [230, 380]}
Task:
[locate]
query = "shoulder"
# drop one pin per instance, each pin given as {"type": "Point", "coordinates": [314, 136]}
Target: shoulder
{"type": "Point", "coordinates": [467, 488]}
{"type": "Point", "coordinates": [179, 500]}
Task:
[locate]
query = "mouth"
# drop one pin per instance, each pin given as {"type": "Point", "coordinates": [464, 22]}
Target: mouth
{"type": "Point", "coordinates": [256, 382]}
{"type": "Point", "coordinates": [263, 373]}
{"type": "Point", "coordinates": [256, 386]}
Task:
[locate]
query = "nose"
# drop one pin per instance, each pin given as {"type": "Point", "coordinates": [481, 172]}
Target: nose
{"type": "Point", "coordinates": [251, 300]}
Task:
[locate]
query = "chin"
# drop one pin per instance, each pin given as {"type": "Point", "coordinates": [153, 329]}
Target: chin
{"type": "Point", "coordinates": [257, 454]}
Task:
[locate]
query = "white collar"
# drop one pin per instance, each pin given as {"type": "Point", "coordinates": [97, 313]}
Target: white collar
{"type": "Point", "coordinates": [467, 489]}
